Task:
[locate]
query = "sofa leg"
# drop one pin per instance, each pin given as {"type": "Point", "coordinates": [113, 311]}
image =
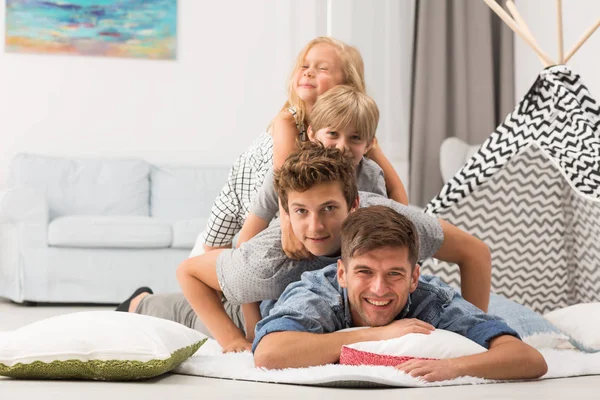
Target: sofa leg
{"type": "Point", "coordinates": [26, 303]}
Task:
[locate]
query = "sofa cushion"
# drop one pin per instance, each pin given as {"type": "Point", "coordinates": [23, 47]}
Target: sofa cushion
{"type": "Point", "coordinates": [183, 192]}
{"type": "Point", "coordinates": [75, 186]}
{"type": "Point", "coordinates": [185, 232]}
{"type": "Point", "coordinates": [103, 231]}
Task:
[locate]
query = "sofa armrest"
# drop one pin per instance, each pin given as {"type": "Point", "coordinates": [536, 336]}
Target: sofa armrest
{"type": "Point", "coordinates": [26, 211]}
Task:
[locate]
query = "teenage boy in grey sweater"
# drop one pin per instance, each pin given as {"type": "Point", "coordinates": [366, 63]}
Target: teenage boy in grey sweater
{"type": "Point", "coordinates": [260, 270]}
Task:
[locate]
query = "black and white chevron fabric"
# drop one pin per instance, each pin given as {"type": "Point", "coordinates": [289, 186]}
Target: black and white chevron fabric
{"type": "Point", "coordinates": [532, 194]}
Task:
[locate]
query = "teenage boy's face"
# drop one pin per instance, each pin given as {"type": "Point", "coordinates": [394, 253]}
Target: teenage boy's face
{"type": "Point", "coordinates": [316, 216]}
{"type": "Point", "coordinates": [346, 138]}
{"type": "Point", "coordinates": [378, 283]}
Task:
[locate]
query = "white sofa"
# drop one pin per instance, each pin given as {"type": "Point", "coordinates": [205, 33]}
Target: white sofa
{"type": "Point", "coordinates": [92, 230]}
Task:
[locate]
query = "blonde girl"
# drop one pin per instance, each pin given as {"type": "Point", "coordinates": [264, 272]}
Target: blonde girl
{"type": "Point", "coordinates": [322, 64]}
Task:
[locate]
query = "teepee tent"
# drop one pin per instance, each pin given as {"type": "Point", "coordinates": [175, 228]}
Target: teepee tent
{"type": "Point", "coordinates": [532, 191]}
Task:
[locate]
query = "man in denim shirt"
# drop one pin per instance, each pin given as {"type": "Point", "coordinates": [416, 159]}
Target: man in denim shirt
{"type": "Point", "coordinates": [376, 284]}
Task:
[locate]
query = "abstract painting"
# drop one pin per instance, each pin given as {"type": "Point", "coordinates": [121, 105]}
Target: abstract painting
{"type": "Point", "coordinates": [112, 28]}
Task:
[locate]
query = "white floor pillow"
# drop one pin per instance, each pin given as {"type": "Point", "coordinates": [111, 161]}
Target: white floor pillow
{"type": "Point", "coordinates": [104, 345]}
{"type": "Point", "coordinates": [533, 328]}
{"type": "Point", "coordinates": [439, 344]}
{"type": "Point", "coordinates": [209, 361]}
{"type": "Point", "coordinates": [581, 322]}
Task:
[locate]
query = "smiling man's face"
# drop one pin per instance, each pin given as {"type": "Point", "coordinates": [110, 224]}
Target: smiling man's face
{"type": "Point", "coordinates": [316, 216]}
{"type": "Point", "coordinates": [378, 283]}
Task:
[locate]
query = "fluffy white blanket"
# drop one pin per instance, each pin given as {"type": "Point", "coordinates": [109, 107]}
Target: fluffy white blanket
{"type": "Point", "coordinates": [210, 362]}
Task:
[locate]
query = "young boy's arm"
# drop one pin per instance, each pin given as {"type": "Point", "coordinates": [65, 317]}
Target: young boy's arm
{"type": "Point", "coordinates": [252, 227]}
{"type": "Point", "coordinates": [263, 210]}
{"type": "Point", "coordinates": [197, 277]}
{"type": "Point", "coordinates": [285, 134]}
{"type": "Point", "coordinates": [251, 311]}
{"type": "Point", "coordinates": [292, 247]}
{"type": "Point", "coordinates": [393, 183]}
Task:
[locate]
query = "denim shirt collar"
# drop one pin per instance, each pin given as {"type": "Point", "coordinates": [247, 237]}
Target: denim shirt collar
{"type": "Point", "coordinates": [406, 309]}
{"type": "Point", "coordinates": [347, 313]}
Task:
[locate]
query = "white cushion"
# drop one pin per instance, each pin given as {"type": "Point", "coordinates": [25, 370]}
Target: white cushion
{"type": "Point", "coordinates": [101, 231]}
{"type": "Point", "coordinates": [439, 344]}
{"type": "Point", "coordinates": [581, 322]}
{"type": "Point", "coordinates": [186, 231]}
{"type": "Point", "coordinates": [76, 186]}
{"type": "Point", "coordinates": [454, 153]}
{"type": "Point", "coordinates": [184, 192]}
{"type": "Point", "coordinates": [210, 361]}
{"type": "Point", "coordinates": [97, 345]}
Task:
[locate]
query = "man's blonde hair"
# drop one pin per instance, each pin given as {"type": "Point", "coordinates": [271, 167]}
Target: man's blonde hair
{"type": "Point", "coordinates": [312, 165]}
{"type": "Point", "coordinates": [342, 106]}
{"type": "Point", "coordinates": [353, 70]}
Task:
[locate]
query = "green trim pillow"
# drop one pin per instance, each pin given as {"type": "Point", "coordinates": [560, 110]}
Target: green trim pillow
{"type": "Point", "coordinates": [99, 345]}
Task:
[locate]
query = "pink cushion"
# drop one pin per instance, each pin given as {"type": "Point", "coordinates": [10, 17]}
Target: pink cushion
{"type": "Point", "coordinates": [350, 356]}
{"type": "Point", "coordinates": [438, 345]}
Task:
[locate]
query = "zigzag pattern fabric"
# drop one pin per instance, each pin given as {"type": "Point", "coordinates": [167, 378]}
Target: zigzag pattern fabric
{"type": "Point", "coordinates": [532, 194]}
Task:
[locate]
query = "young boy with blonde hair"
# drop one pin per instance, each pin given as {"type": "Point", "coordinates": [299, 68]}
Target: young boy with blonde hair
{"type": "Point", "coordinates": [343, 118]}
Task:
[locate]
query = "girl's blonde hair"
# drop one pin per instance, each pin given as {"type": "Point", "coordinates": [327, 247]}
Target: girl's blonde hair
{"type": "Point", "coordinates": [353, 70]}
{"type": "Point", "coordinates": [342, 106]}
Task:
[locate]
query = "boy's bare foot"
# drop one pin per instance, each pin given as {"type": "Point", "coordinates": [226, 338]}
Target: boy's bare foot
{"type": "Point", "coordinates": [132, 302]}
{"type": "Point", "coordinates": [237, 345]}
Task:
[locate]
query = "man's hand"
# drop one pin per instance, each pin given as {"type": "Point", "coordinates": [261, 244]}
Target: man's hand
{"type": "Point", "coordinates": [402, 327]}
{"type": "Point", "coordinates": [292, 247]}
{"type": "Point", "coordinates": [430, 370]}
{"type": "Point", "coordinates": [237, 346]}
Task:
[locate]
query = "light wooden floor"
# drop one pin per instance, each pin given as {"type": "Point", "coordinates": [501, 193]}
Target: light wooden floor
{"type": "Point", "coordinates": [180, 387]}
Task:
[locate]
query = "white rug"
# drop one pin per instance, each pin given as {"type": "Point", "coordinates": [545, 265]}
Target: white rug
{"type": "Point", "coordinates": [210, 362]}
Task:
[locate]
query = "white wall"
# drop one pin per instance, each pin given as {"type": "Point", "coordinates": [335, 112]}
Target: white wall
{"type": "Point", "coordinates": [234, 58]}
{"type": "Point", "coordinates": [578, 16]}
{"type": "Point", "coordinates": [383, 32]}
{"type": "Point", "coordinates": [206, 107]}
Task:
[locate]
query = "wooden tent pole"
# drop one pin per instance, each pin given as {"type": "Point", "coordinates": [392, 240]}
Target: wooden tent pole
{"type": "Point", "coordinates": [582, 40]}
{"type": "Point", "coordinates": [522, 24]}
{"type": "Point", "coordinates": [513, 25]}
{"type": "Point", "coordinates": [559, 24]}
